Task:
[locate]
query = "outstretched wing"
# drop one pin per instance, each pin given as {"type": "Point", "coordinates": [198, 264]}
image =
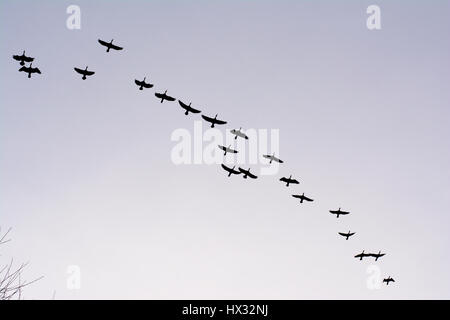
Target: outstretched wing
{"type": "Point", "coordinates": [23, 69]}
{"type": "Point", "coordinates": [307, 199]}
{"type": "Point", "coordinates": [284, 179]}
{"type": "Point", "coordinates": [297, 196]}
{"type": "Point", "coordinates": [267, 156]}
{"type": "Point", "coordinates": [232, 150]}
{"type": "Point", "coordinates": [169, 98]}
{"type": "Point", "coordinates": [222, 147]}
{"type": "Point", "coordinates": [36, 70]}
{"type": "Point", "coordinates": [350, 234]}
{"type": "Point", "coordinates": [220, 121]}
{"type": "Point", "coordinates": [88, 73]}
{"type": "Point", "coordinates": [252, 175]}
{"type": "Point", "coordinates": [16, 57]}
{"type": "Point", "coordinates": [342, 234]}
{"type": "Point", "coordinates": [206, 118]}
{"type": "Point", "coordinates": [113, 46]}
{"type": "Point", "coordinates": [293, 181]}
{"type": "Point", "coordinates": [103, 43]}
{"type": "Point", "coordinates": [344, 213]}
{"type": "Point", "coordinates": [80, 71]}
{"type": "Point", "coordinates": [148, 85]}
{"type": "Point", "coordinates": [159, 95]}
{"type": "Point", "coordinates": [278, 160]}
{"type": "Point", "coordinates": [139, 83]}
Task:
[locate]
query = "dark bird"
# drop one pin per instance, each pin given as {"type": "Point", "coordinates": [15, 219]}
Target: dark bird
{"type": "Point", "coordinates": [388, 279]}
{"type": "Point", "coordinates": [84, 72]}
{"type": "Point", "coordinates": [109, 45]}
{"type": "Point", "coordinates": [30, 70]}
{"type": "Point", "coordinates": [188, 108]}
{"type": "Point", "coordinates": [362, 255]}
{"type": "Point", "coordinates": [23, 58]}
{"type": "Point", "coordinates": [247, 173]}
{"type": "Point", "coordinates": [339, 212]}
{"type": "Point", "coordinates": [164, 96]}
{"type": "Point", "coordinates": [377, 255]}
{"type": "Point", "coordinates": [346, 235]}
{"type": "Point", "coordinates": [239, 133]}
{"type": "Point", "coordinates": [227, 149]}
{"type": "Point", "coordinates": [213, 121]}
{"type": "Point", "coordinates": [272, 158]}
{"type": "Point", "coordinates": [302, 197]}
{"type": "Point", "coordinates": [289, 180]}
{"type": "Point", "coordinates": [230, 170]}
{"type": "Point", "coordinates": [142, 84]}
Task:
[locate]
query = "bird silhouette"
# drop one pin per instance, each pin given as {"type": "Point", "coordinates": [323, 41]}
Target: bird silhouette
{"type": "Point", "coordinates": [346, 235]}
{"type": "Point", "coordinates": [142, 84]}
{"type": "Point", "coordinates": [188, 108]}
{"type": "Point", "coordinates": [164, 96]}
{"type": "Point", "coordinates": [213, 121]}
{"type": "Point", "coordinates": [302, 197]}
{"type": "Point", "coordinates": [289, 180]}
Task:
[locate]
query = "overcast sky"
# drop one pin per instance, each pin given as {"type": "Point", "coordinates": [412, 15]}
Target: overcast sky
{"type": "Point", "coordinates": [87, 178]}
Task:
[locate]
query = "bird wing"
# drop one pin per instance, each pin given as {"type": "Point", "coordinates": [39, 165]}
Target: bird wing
{"type": "Point", "coordinates": [284, 179]}
{"type": "Point", "coordinates": [350, 234]}
{"type": "Point", "coordinates": [226, 168]}
{"type": "Point", "coordinates": [28, 59]}
{"type": "Point", "coordinates": [307, 199]}
{"type": "Point", "coordinates": [297, 196]}
{"type": "Point", "coordinates": [23, 68]}
{"type": "Point", "coordinates": [79, 70]}
{"type": "Point", "coordinates": [113, 46]}
{"type": "Point", "coordinates": [159, 95]}
{"type": "Point", "coordinates": [294, 181]}
{"type": "Point", "coordinates": [139, 83]}
{"type": "Point", "coordinates": [147, 85]}
{"type": "Point", "coordinates": [36, 70]}
{"type": "Point", "coordinates": [103, 43]}
{"type": "Point", "coordinates": [232, 150]}
{"type": "Point", "coordinates": [16, 57]}
{"type": "Point", "coordinates": [183, 105]}
{"type": "Point", "coordinates": [206, 118]}
{"type": "Point", "coordinates": [342, 234]}
{"type": "Point", "coordinates": [267, 156]}
{"type": "Point", "coordinates": [88, 73]}
{"type": "Point", "coordinates": [169, 98]}
{"type": "Point", "coordinates": [222, 147]}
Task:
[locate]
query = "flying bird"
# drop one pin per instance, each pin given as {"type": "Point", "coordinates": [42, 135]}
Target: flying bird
{"type": "Point", "coordinates": [346, 235]}
{"type": "Point", "coordinates": [142, 84]}
{"type": "Point", "coordinates": [362, 255]}
{"type": "Point", "coordinates": [388, 279]}
{"type": "Point", "coordinates": [213, 121]}
{"type": "Point", "coordinates": [302, 197]}
{"type": "Point", "coordinates": [30, 70]}
{"type": "Point", "coordinates": [227, 149]}
{"type": "Point", "coordinates": [23, 58]}
{"type": "Point", "coordinates": [289, 180]}
{"type": "Point", "coordinates": [272, 158]}
{"type": "Point", "coordinates": [377, 255]}
{"type": "Point", "coordinates": [230, 170]}
{"type": "Point", "coordinates": [109, 45]}
{"type": "Point", "coordinates": [164, 96]}
{"type": "Point", "coordinates": [239, 133]}
{"type": "Point", "coordinates": [247, 173]}
{"type": "Point", "coordinates": [84, 72]}
{"type": "Point", "coordinates": [339, 212]}
{"type": "Point", "coordinates": [188, 108]}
